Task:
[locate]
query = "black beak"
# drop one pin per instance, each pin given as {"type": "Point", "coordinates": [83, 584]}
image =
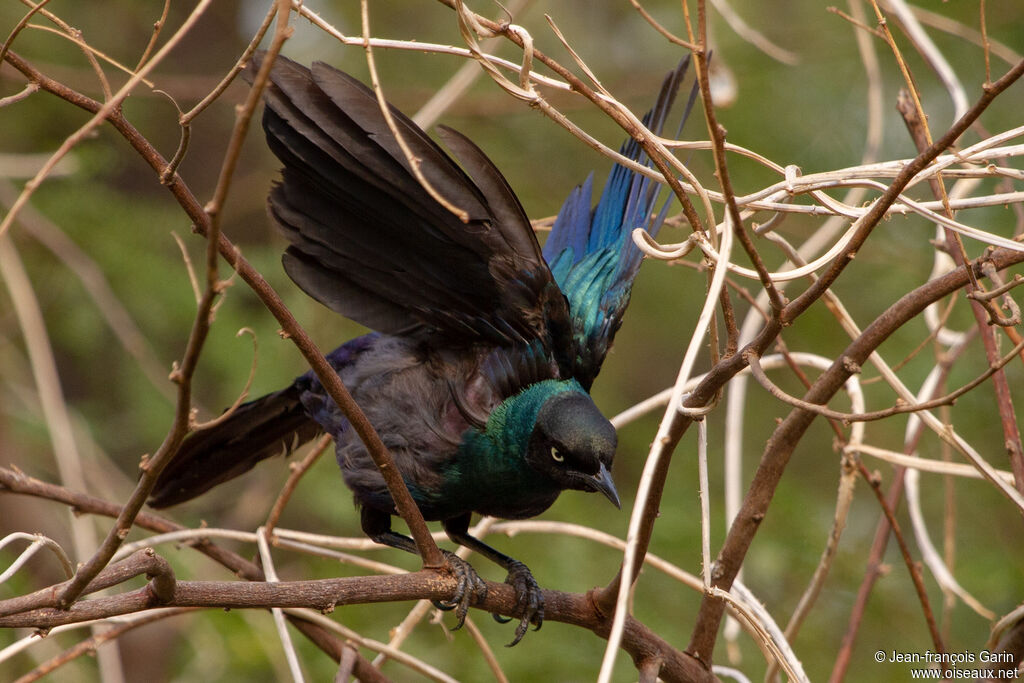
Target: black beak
{"type": "Point", "coordinates": [602, 482]}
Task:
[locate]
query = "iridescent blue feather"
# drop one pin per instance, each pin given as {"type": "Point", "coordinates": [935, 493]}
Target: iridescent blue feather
{"type": "Point", "coordinates": [591, 253]}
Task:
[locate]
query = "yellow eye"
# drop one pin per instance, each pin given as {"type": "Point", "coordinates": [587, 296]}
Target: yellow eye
{"type": "Point", "coordinates": [556, 456]}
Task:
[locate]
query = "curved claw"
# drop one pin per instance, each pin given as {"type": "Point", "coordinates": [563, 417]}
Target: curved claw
{"type": "Point", "coordinates": [529, 599]}
{"type": "Point", "coordinates": [470, 589]}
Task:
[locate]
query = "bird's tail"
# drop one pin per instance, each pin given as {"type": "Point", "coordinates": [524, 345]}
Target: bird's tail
{"type": "Point", "coordinates": [268, 426]}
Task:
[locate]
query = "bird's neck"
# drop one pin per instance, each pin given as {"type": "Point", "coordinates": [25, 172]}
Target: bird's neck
{"type": "Point", "coordinates": [491, 462]}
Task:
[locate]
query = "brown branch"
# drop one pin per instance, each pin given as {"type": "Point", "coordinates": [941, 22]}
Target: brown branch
{"type": "Point", "coordinates": [362, 668]}
{"type": "Point", "coordinates": [326, 594]}
{"type": "Point", "coordinates": [872, 571]}
{"type": "Point", "coordinates": [933, 334]}
{"type": "Point", "coordinates": [19, 27]}
{"type": "Point", "coordinates": [185, 119]}
{"type": "Point", "coordinates": [158, 26]}
{"type": "Point", "coordinates": [912, 567]}
{"type": "Point", "coordinates": [986, 313]}
{"type": "Point", "coordinates": [877, 211]}
{"type": "Point", "coordinates": [668, 35]}
{"type": "Point", "coordinates": [717, 133]}
{"type": "Point", "coordinates": [145, 562]}
{"type": "Point", "coordinates": [89, 645]}
{"type": "Point", "coordinates": [320, 594]}
{"type": "Point", "coordinates": [12, 481]}
{"type": "Point", "coordinates": [901, 406]}
{"type": "Point", "coordinates": [785, 438]}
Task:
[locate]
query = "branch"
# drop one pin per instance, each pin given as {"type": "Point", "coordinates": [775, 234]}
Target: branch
{"type": "Point", "coordinates": [161, 588]}
{"type": "Point", "coordinates": [16, 482]}
{"type": "Point", "coordinates": [912, 567]}
{"type": "Point", "coordinates": [985, 313]}
{"type": "Point", "coordinates": [326, 594]}
{"type": "Point", "coordinates": [36, 610]}
{"type": "Point", "coordinates": [878, 209]}
{"type": "Point", "coordinates": [89, 645]}
{"type": "Point", "coordinates": [783, 441]}
{"type": "Point", "coordinates": [901, 406]}
{"type": "Point", "coordinates": [12, 481]}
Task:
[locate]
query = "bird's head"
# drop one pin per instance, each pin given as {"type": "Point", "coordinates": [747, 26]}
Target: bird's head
{"type": "Point", "coordinates": [574, 444]}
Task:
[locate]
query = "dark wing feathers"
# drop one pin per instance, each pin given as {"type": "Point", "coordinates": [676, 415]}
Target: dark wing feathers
{"type": "Point", "coordinates": [504, 203]}
{"type": "Point", "coordinates": [591, 253]}
{"type": "Point", "coordinates": [360, 106]}
{"type": "Point", "coordinates": [328, 198]}
{"type": "Point", "coordinates": [369, 242]}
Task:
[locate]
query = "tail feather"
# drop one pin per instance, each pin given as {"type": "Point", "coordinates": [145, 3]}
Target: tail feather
{"type": "Point", "coordinates": [272, 425]}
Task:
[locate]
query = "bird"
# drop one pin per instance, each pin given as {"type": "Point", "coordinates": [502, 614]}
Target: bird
{"type": "Point", "coordinates": [484, 345]}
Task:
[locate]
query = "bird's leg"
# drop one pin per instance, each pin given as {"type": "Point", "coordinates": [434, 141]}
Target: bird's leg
{"type": "Point", "coordinates": [470, 587]}
{"type": "Point", "coordinates": [529, 599]}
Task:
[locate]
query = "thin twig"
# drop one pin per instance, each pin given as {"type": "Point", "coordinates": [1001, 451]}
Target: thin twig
{"type": "Point", "coordinates": [912, 567]}
{"type": "Point", "coordinates": [298, 470]}
{"type": "Point", "coordinates": [185, 119]}
{"type": "Point", "coordinates": [158, 26]}
{"type": "Point", "coordinates": [385, 110]}
{"type": "Point", "coordinates": [19, 27]}
{"type": "Point", "coordinates": [90, 645]}
{"type": "Point", "coordinates": [900, 408]}
{"type": "Point", "coordinates": [785, 437]}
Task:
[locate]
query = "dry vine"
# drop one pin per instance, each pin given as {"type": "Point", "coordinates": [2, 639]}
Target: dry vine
{"type": "Point", "coordinates": [959, 168]}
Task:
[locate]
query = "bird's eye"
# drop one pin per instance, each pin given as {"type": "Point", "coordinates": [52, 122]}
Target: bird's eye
{"type": "Point", "coordinates": [555, 455]}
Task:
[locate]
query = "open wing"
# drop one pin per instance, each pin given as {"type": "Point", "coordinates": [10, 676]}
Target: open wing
{"type": "Point", "coordinates": [591, 252]}
{"type": "Point", "coordinates": [369, 242]}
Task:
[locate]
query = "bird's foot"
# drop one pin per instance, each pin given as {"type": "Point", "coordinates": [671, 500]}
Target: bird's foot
{"type": "Point", "coordinates": [529, 600]}
{"type": "Point", "coordinates": [470, 588]}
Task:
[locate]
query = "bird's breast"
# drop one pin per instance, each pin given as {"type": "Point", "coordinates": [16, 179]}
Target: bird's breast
{"type": "Point", "coordinates": [491, 477]}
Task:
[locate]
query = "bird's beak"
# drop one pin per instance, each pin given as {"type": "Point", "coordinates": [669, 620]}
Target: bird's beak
{"type": "Point", "coordinates": [602, 482]}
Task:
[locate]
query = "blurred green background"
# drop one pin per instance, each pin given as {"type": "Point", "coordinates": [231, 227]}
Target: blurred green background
{"type": "Point", "coordinates": [108, 202]}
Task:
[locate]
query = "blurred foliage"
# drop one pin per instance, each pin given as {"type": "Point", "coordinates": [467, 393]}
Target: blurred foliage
{"type": "Point", "coordinates": [111, 205]}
